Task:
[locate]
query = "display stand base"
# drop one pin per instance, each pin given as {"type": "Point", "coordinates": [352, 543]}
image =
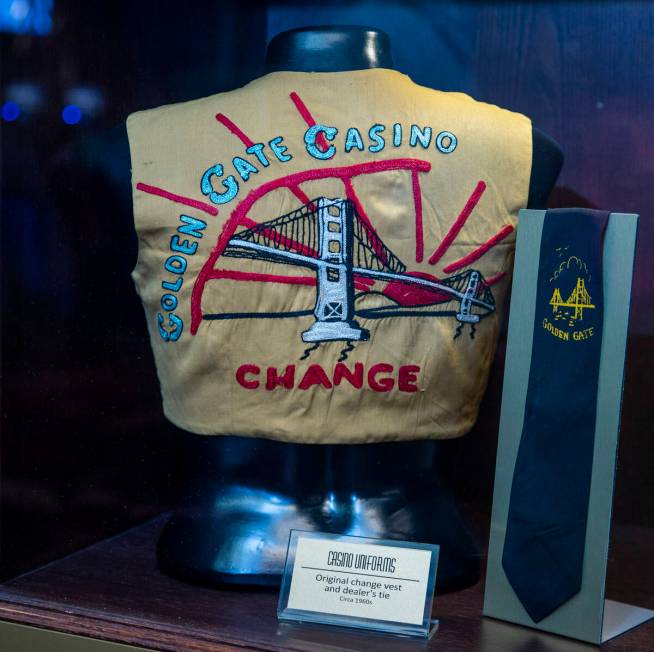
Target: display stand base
{"type": "Point", "coordinates": [620, 618]}
{"type": "Point", "coordinates": [238, 535]}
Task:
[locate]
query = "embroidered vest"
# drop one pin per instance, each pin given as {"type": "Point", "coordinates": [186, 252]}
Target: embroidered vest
{"type": "Point", "coordinates": [323, 257]}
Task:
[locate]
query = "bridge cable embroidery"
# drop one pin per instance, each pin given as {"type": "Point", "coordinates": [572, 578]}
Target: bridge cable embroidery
{"type": "Point", "coordinates": [328, 236]}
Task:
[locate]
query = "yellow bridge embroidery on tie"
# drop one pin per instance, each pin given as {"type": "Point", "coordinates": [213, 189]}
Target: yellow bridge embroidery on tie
{"type": "Point", "coordinates": [579, 300]}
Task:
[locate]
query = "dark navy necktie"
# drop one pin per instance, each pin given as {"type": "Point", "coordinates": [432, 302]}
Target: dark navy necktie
{"type": "Point", "coordinates": [548, 508]}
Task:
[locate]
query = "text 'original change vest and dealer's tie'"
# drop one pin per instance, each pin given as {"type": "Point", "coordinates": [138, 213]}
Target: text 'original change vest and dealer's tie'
{"type": "Point", "coordinates": [323, 256]}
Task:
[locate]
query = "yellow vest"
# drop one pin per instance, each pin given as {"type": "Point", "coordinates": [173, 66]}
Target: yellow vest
{"type": "Point", "coordinates": [323, 257]}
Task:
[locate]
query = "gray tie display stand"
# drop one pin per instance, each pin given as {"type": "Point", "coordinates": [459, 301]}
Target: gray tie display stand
{"type": "Point", "coordinates": [587, 616]}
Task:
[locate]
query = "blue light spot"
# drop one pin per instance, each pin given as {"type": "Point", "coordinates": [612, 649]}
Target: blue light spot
{"type": "Point", "coordinates": [71, 114]}
{"type": "Point", "coordinates": [10, 111]}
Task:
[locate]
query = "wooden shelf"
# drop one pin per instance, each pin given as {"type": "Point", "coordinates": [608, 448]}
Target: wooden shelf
{"type": "Point", "coordinates": [114, 591]}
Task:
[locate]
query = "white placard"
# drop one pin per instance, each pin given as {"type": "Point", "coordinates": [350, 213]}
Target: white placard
{"type": "Point", "coordinates": [361, 579]}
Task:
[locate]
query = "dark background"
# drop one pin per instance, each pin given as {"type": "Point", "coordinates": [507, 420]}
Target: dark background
{"type": "Point", "coordinates": [85, 449]}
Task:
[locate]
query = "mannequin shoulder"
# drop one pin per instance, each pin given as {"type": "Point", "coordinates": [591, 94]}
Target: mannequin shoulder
{"type": "Point", "coordinates": [546, 163]}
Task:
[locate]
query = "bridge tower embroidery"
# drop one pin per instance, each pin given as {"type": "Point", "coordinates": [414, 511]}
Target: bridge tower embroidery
{"type": "Point", "coordinates": [579, 300]}
{"type": "Point", "coordinates": [328, 236]}
{"type": "Point", "coordinates": [334, 310]}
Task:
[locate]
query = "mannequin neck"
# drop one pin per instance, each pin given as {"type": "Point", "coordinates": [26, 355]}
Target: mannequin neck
{"type": "Point", "coordinates": [329, 49]}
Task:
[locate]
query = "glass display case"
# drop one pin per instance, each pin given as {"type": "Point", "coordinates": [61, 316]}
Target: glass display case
{"type": "Point", "coordinates": [91, 471]}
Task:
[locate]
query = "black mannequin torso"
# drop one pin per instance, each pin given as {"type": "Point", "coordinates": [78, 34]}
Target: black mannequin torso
{"type": "Point", "coordinates": [247, 494]}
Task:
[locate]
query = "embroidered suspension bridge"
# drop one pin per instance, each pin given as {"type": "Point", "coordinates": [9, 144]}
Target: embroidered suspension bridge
{"type": "Point", "coordinates": [329, 237]}
{"type": "Point", "coordinates": [579, 300]}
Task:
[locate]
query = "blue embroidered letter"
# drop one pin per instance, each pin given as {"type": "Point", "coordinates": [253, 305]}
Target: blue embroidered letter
{"type": "Point", "coordinates": [169, 302]}
{"type": "Point", "coordinates": [175, 264]}
{"type": "Point", "coordinates": [446, 142]}
{"type": "Point", "coordinates": [257, 150]}
{"type": "Point", "coordinates": [422, 135]}
{"type": "Point", "coordinates": [230, 184]}
{"type": "Point", "coordinates": [279, 149]}
{"type": "Point", "coordinates": [174, 287]}
{"type": "Point", "coordinates": [174, 321]}
{"type": "Point", "coordinates": [397, 134]}
{"type": "Point", "coordinates": [352, 140]}
{"type": "Point", "coordinates": [243, 167]}
{"type": "Point", "coordinates": [310, 140]}
{"type": "Point", "coordinates": [193, 226]}
{"type": "Point", "coordinates": [183, 246]}
{"type": "Point", "coordinates": [373, 134]}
